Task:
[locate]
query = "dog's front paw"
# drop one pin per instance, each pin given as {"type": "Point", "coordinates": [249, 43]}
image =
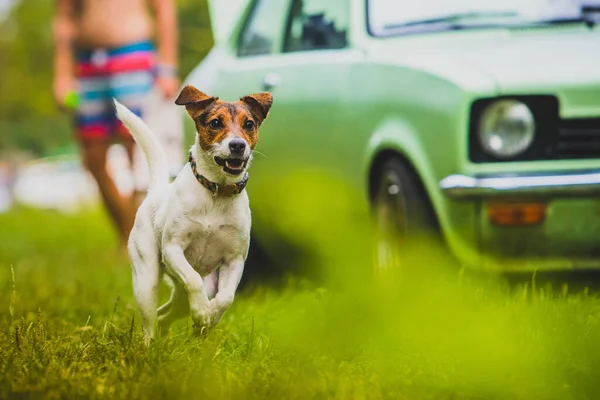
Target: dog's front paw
{"type": "Point", "coordinates": [216, 312]}
{"type": "Point", "coordinates": [199, 330]}
{"type": "Point", "coordinates": [218, 307]}
{"type": "Point", "coordinates": [202, 317]}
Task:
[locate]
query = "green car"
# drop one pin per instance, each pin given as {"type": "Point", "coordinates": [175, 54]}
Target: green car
{"type": "Point", "coordinates": [476, 120]}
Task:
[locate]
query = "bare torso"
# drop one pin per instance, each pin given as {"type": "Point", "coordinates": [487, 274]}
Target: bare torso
{"type": "Point", "coordinates": [113, 23]}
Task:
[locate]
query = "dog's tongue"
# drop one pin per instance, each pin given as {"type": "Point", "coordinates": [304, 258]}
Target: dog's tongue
{"type": "Point", "coordinates": [234, 164]}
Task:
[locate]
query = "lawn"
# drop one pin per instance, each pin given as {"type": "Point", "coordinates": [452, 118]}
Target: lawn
{"type": "Point", "coordinates": [69, 329]}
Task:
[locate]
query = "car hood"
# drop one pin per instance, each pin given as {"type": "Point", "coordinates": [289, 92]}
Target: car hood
{"type": "Point", "coordinates": [512, 61]}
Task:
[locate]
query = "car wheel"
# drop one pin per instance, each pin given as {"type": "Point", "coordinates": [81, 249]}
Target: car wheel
{"type": "Point", "coordinates": [403, 215]}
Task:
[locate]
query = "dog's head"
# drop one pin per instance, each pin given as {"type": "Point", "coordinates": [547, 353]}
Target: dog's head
{"type": "Point", "coordinates": [227, 131]}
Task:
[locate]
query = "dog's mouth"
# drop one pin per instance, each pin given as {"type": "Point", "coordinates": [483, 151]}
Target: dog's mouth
{"type": "Point", "coordinates": [232, 166]}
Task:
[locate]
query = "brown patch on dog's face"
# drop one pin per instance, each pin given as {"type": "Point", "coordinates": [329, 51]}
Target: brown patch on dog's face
{"type": "Point", "coordinates": [215, 119]}
{"type": "Point", "coordinates": [259, 104]}
{"type": "Point", "coordinates": [222, 119]}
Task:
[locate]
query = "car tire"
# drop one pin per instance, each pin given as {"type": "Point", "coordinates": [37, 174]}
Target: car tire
{"type": "Point", "coordinates": [403, 216]}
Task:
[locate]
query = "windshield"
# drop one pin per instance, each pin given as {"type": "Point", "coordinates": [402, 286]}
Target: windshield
{"type": "Point", "coordinates": [395, 16]}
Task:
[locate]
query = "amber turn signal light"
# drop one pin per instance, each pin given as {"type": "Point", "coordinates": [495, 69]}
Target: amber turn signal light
{"type": "Point", "coordinates": [517, 214]}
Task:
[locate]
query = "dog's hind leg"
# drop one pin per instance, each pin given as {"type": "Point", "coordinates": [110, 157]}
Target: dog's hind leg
{"type": "Point", "coordinates": [175, 308]}
{"type": "Point", "coordinates": [146, 280]}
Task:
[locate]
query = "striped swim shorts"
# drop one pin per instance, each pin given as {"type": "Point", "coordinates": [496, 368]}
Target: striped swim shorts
{"type": "Point", "coordinates": [125, 73]}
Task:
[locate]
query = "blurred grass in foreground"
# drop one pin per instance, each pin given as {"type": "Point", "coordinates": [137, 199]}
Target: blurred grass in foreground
{"type": "Point", "coordinates": [69, 328]}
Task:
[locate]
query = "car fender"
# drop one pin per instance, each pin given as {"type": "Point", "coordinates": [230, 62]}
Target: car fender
{"type": "Point", "coordinates": [205, 75]}
{"type": "Point", "coordinates": [399, 136]}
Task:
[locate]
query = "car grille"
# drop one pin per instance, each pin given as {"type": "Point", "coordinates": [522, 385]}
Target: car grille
{"type": "Point", "coordinates": [578, 138]}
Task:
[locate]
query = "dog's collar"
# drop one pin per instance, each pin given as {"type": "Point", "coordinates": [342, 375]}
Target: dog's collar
{"type": "Point", "coordinates": [216, 189]}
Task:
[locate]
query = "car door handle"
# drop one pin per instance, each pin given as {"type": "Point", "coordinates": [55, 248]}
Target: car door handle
{"type": "Point", "coordinates": [270, 81]}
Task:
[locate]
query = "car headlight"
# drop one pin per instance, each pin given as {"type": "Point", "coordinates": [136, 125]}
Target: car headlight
{"type": "Point", "coordinates": [506, 128]}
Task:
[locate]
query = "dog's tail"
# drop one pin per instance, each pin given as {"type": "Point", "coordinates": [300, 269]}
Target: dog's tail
{"type": "Point", "coordinates": [148, 142]}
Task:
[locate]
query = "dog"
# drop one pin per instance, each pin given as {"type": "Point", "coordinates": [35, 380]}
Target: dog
{"type": "Point", "coordinates": [195, 231]}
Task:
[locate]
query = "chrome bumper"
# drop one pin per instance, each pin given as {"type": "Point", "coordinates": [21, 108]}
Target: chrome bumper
{"type": "Point", "coordinates": [581, 184]}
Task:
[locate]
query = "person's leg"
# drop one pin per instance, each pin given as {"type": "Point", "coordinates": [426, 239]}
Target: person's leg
{"type": "Point", "coordinates": [131, 79]}
{"type": "Point", "coordinates": [93, 123]}
{"type": "Point", "coordinates": [94, 154]}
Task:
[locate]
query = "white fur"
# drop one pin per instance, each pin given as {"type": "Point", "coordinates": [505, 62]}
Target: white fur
{"type": "Point", "coordinates": [199, 241]}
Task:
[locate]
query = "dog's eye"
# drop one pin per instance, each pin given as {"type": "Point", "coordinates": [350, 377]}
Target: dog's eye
{"type": "Point", "coordinates": [215, 124]}
{"type": "Point", "coordinates": [249, 125]}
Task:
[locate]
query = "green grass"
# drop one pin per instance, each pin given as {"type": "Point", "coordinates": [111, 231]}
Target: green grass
{"type": "Point", "coordinates": [69, 329]}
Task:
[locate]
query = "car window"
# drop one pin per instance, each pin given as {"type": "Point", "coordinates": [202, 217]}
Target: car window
{"type": "Point", "coordinates": [261, 30]}
{"type": "Point", "coordinates": [317, 25]}
{"type": "Point", "coordinates": [388, 16]}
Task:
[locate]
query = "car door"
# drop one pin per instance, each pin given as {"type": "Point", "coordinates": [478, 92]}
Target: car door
{"type": "Point", "coordinates": [299, 51]}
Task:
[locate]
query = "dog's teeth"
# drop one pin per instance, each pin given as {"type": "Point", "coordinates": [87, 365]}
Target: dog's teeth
{"type": "Point", "coordinates": [234, 167]}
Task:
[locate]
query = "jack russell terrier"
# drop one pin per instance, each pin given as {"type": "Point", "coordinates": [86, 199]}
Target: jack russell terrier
{"type": "Point", "coordinates": [197, 228]}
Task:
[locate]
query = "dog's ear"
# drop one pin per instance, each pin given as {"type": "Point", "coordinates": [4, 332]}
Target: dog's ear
{"type": "Point", "coordinates": [193, 100]}
{"type": "Point", "coordinates": [260, 104]}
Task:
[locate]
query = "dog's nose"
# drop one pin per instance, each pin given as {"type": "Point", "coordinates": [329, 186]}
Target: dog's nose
{"type": "Point", "coordinates": [237, 146]}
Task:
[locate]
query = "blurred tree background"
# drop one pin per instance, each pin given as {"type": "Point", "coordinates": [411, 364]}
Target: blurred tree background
{"type": "Point", "coordinates": [29, 117]}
